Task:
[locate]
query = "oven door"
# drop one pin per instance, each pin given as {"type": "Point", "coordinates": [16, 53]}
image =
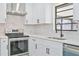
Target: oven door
{"type": "Point", "coordinates": [18, 46]}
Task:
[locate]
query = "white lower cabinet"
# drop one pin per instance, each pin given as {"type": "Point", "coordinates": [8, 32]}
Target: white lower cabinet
{"type": "Point", "coordinates": [43, 47]}
{"type": "Point", "coordinates": [3, 47]}
{"type": "Point", "coordinates": [51, 48]}
{"type": "Point", "coordinates": [33, 47]}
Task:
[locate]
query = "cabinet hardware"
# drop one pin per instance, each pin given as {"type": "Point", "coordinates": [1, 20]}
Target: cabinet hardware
{"type": "Point", "coordinates": [47, 50]}
{"type": "Point", "coordinates": [35, 46]}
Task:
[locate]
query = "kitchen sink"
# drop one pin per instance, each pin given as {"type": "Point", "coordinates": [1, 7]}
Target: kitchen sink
{"type": "Point", "coordinates": [58, 38]}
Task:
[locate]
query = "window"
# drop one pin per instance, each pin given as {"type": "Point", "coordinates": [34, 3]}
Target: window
{"type": "Point", "coordinates": [64, 18]}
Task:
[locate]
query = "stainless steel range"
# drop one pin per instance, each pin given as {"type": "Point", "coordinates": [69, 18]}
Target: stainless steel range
{"type": "Point", "coordinates": [18, 44]}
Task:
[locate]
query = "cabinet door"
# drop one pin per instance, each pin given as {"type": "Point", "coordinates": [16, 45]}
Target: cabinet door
{"type": "Point", "coordinates": [3, 12]}
{"type": "Point", "coordinates": [46, 50]}
{"type": "Point", "coordinates": [58, 49]}
{"type": "Point", "coordinates": [43, 47]}
{"type": "Point", "coordinates": [51, 48]}
{"type": "Point", "coordinates": [76, 11]}
{"type": "Point", "coordinates": [33, 47]}
{"type": "Point", "coordinates": [4, 47]}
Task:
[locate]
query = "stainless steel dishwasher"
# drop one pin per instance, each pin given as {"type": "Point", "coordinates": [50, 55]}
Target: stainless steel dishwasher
{"type": "Point", "coordinates": [70, 50]}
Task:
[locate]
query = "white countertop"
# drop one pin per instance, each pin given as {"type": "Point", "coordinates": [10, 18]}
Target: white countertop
{"type": "Point", "coordinates": [68, 41]}
{"type": "Point", "coordinates": [5, 37]}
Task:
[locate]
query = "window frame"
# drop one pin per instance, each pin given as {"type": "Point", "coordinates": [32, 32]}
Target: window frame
{"type": "Point", "coordinates": [63, 17]}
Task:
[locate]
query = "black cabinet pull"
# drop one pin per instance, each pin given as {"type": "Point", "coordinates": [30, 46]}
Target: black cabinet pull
{"type": "Point", "coordinates": [47, 50]}
{"type": "Point", "coordinates": [35, 46]}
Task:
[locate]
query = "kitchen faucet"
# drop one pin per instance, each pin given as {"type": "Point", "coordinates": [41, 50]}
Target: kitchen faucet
{"type": "Point", "coordinates": [61, 31]}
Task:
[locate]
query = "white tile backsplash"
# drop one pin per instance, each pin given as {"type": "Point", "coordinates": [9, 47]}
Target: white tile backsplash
{"type": "Point", "coordinates": [14, 22]}
{"type": "Point", "coordinates": [2, 29]}
{"type": "Point", "coordinates": [28, 30]}
{"type": "Point", "coordinates": [47, 30]}
{"type": "Point", "coordinates": [42, 29]}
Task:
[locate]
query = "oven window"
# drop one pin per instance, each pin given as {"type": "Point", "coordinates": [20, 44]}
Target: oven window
{"type": "Point", "coordinates": [18, 47]}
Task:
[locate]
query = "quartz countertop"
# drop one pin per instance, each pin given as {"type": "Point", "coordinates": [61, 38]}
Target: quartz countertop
{"type": "Point", "coordinates": [68, 41]}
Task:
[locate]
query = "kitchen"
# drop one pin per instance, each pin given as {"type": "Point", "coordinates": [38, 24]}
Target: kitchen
{"type": "Point", "coordinates": [39, 29]}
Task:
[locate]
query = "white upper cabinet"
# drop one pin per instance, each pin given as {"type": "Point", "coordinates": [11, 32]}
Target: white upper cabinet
{"type": "Point", "coordinates": [76, 11]}
{"type": "Point", "coordinates": [3, 12]}
{"type": "Point", "coordinates": [38, 13]}
{"type": "Point", "coordinates": [49, 12]}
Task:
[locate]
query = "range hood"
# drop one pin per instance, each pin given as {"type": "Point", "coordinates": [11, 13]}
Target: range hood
{"type": "Point", "coordinates": [16, 13]}
{"type": "Point", "coordinates": [15, 9]}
